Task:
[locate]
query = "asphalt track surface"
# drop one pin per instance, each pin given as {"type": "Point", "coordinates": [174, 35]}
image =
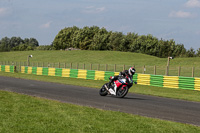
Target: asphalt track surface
{"type": "Point", "coordinates": [150, 106]}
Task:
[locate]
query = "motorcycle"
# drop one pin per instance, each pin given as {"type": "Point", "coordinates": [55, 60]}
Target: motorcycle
{"type": "Point", "coordinates": [118, 88]}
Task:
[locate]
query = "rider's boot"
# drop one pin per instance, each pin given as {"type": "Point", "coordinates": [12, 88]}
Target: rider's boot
{"type": "Point", "coordinates": [109, 84]}
{"type": "Point", "coordinates": [111, 80]}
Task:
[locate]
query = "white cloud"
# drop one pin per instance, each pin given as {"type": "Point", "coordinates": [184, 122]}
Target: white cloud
{"type": "Point", "coordinates": [193, 3]}
{"type": "Point", "coordinates": [93, 9]}
{"type": "Point", "coordinates": [181, 14]}
{"type": "Point", "coordinates": [46, 25]}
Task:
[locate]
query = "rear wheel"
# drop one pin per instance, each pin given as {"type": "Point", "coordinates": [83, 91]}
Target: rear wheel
{"type": "Point", "coordinates": [122, 91]}
{"type": "Point", "coordinates": [103, 91]}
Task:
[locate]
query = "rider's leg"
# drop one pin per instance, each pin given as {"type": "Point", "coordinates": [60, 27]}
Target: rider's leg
{"type": "Point", "coordinates": [113, 78]}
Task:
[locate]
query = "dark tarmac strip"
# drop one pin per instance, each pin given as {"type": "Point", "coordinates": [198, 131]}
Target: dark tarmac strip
{"type": "Point", "coordinates": [150, 106]}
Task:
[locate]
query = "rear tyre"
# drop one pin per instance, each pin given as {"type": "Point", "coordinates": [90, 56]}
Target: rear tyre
{"type": "Point", "coordinates": [103, 91]}
{"type": "Point", "coordinates": [122, 91]}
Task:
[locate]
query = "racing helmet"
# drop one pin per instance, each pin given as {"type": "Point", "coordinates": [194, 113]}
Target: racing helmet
{"type": "Point", "coordinates": [131, 71]}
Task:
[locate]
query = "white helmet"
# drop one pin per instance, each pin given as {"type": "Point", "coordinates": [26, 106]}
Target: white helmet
{"type": "Point", "coordinates": [131, 71]}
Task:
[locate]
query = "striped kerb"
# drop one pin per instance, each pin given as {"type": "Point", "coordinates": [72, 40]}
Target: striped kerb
{"type": "Point", "coordinates": [171, 81]}
{"type": "Point", "coordinates": [156, 80]}
{"type": "Point", "coordinates": [197, 84]}
{"type": "Point", "coordinates": [116, 73]}
{"type": "Point", "coordinates": [135, 77]}
{"type": "Point", "coordinates": [73, 73]}
{"type": "Point", "coordinates": [34, 70]}
{"type": "Point", "coordinates": [58, 72]}
{"type": "Point", "coordinates": [29, 70]}
{"type": "Point", "coordinates": [26, 70]}
{"type": "Point", "coordinates": [12, 69]}
{"type": "Point", "coordinates": [3, 68]}
{"type": "Point", "coordinates": [22, 69]}
{"type": "Point", "coordinates": [143, 79]}
{"type": "Point", "coordinates": [51, 71]}
{"type": "Point", "coordinates": [65, 72]}
{"type": "Point", "coordinates": [82, 74]}
{"type": "Point", "coordinates": [108, 74]}
{"type": "Point", "coordinates": [90, 74]}
{"type": "Point", "coordinates": [7, 68]}
{"type": "Point", "coordinates": [186, 83]}
{"type": "Point", "coordinates": [39, 71]}
{"type": "Point", "coordinates": [99, 75]}
{"type": "Point", "coordinates": [45, 71]}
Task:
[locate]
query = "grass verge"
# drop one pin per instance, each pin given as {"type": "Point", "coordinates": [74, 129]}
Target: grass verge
{"type": "Point", "coordinates": [189, 95]}
{"type": "Point", "coordinates": [22, 113]}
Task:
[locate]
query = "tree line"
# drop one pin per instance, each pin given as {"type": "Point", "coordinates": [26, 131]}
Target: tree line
{"type": "Point", "coordinates": [95, 38]}
{"type": "Point", "coordinates": [18, 44]}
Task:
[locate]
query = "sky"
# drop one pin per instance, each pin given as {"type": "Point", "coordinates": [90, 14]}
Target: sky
{"type": "Point", "coordinates": [43, 19]}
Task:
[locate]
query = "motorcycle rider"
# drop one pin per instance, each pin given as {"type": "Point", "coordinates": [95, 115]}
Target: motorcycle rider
{"type": "Point", "coordinates": [126, 73]}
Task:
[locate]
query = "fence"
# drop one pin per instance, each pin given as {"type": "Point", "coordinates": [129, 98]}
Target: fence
{"type": "Point", "coordinates": [143, 79]}
{"type": "Point", "coordinates": [155, 70]}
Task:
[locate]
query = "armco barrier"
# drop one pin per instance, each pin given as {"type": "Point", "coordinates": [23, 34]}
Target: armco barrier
{"type": "Point", "coordinates": [7, 68]}
{"type": "Point", "coordinates": [142, 79]}
{"type": "Point", "coordinates": [73, 73]}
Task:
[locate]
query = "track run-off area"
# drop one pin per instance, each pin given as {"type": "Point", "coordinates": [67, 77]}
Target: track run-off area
{"type": "Point", "coordinates": [144, 105]}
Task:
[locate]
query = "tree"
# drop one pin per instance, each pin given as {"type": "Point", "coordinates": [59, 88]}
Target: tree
{"type": "Point", "coordinates": [15, 41]}
{"type": "Point", "coordinates": [115, 41]}
{"type": "Point", "coordinates": [65, 38]}
{"type": "Point", "coordinates": [100, 40]}
{"type": "Point", "coordinates": [5, 44]}
{"type": "Point", "coordinates": [198, 52]}
{"type": "Point", "coordinates": [190, 53]}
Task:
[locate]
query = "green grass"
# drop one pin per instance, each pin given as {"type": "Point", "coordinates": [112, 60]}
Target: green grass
{"type": "Point", "coordinates": [97, 57]}
{"type": "Point", "coordinates": [189, 95]}
{"type": "Point", "coordinates": [104, 57]}
{"type": "Point", "coordinates": [22, 114]}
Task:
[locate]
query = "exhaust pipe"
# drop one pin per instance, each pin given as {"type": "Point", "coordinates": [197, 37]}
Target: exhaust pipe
{"type": "Point", "coordinates": [107, 89]}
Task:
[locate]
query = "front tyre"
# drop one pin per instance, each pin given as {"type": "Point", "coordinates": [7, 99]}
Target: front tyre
{"type": "Point", "coordinates": [103, 91]}
{"type": "Point", "coordinates": [122, 91]}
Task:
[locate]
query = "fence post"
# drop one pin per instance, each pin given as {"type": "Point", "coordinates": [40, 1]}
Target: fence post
{"type": "Point", "coordinates": [70, 65]}
{"type": "Point", "coordinates": [77, 66]}
{"type": "Point", "coordinates": [84, 66]}
{"type": "Point", "coordinates": [20, 66]}
{"type": "Point", "coordinates": [167, 70]}
{"type": "Point", "coordinates": [193, 71]}
{"type": "Point", "coordinates": [106, 67]}
{"type": "Point", "coordinates": [98, 68]}
{"type": "Point", "coordinates": [144, 70]}
{"type": "Point", "coordinates": [155, 70]}
{"type": "Point", "coordinates": [179, 71]}
{"type": "Point", "coordinates": [115, 68]}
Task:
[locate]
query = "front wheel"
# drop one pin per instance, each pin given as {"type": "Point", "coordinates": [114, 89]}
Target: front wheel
{"type": "Point", "coordinates": [103, 91]}
{"type": "Point", "coordinates": [122, 91]}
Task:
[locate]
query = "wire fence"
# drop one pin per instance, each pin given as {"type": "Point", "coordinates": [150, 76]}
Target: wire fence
{"type": "Point", "coordinates": [156, 70]}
